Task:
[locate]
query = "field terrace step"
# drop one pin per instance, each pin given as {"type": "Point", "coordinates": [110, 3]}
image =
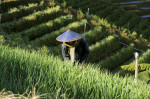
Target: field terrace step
{"type": "Point", "coordinates": [130, 7]}
{"type": "Point", "coordinates": [107, 11]}
{"type": "Point", "coordinates": [103, 48]}
{"type": "Point", "coordinates": [45, 28]}
{"type": "Point", "coordinates": [84, 5]}
{"type": "Point", "coordinates": [129, 62]}
{"type": "Point", "coordinates": [94, 35]}
{"type": "Point", "coordinates": [132, 22]}
{"type": "Point", "coordinates": [81, 4]}
{"type": "Point", "coordinates": [31, 20]}
{"type": "Point", "coordinates": [94, 7]}
{"type": "Point", "coordinates": [116, 15]}
{"type": "Point", "coordinates": [50, 39]}
{"type": "Point", "coordinates": [15, 13]}
{"type": "Point", "coordinates": [132, 59]}
{"type": "Point", "coordinates": [123, 19]}
{"type": "Point", "coordinates": [143, 57]}
{"type": "Point", "coordinates": [117, 59]}
{"type": "Point", "coordinates": [102, 11]}
{"type": "Point", "coordinates": [143, 12]}
{"type": "Point", "coordinates": [5, 6]}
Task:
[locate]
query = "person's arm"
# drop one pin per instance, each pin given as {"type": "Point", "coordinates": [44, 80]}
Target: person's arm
{"type": "Point", "coordinates": [65, 54]}
{"type": "Point", "coordinates": [86, 51]}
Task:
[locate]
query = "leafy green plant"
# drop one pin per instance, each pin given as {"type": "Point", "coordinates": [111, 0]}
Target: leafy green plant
{"type": "Point", "coordinates": [103, 48]}
{"type": "Point", "coordinates": [117, 59]}
{"type": "Point", "coordinates": [21, 69]}
{"type": "Point", "coordinates": [141, 67]}
{"type": "Point", "coordinates": [94, 35]}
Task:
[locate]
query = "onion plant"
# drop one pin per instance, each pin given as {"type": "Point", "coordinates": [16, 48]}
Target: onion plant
{"type": "Point", "coordinates": [21, 69]}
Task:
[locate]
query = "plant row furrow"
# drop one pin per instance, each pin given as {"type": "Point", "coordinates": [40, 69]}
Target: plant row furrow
{"type": "Point", "coordinates": [94, 35]}
{"type": "Point", "coordinates": [50, 39]}
{"type": "Point", "coordinates": [15, 13]}
{"type": "Point", "coordinates": [116, 15]}
{"type": "Point", "coordinates": [144, 58]}
{"type": "Point", "coordinates": [45, 28]}
{"type": "Point", "coordinates": [103, 48]}
{"type": "Point", "coordinates": [33, 19]}
{"type": "Point", "coordinates": [5, 6]}
{"type": "Point", "coordinates": [116, 60]}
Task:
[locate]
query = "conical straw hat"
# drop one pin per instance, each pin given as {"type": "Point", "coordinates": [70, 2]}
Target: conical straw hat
{"type": "Point", "coordinates": [69, 36]}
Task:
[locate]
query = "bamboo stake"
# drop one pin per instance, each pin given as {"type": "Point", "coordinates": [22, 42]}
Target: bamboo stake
{"type": "Point", "coordinates": [84, 29]}
{"type": "Point", "coordinates": [136, 66]}
{"type": "Point", "coordinates": [89, 13]}
{"type": "Point", "coordinates": [0, 10]}
{"type": "Point", "coordinates": [72, 54]}
{"type": "Point", "coordinates": [0, 17]}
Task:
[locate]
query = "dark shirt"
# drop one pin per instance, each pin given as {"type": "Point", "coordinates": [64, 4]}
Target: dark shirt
{"type": "Point", "coordinates": [81, 52]}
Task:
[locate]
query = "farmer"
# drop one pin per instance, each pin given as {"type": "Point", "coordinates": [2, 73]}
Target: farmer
{"type": "Point", "coordinates": [70, 40]}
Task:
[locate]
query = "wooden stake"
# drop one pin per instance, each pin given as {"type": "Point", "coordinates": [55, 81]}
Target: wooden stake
{"type": "Point", "coordinates": [0, 17]}
{"type": "Point", "coordinates": [89, 13]}
{"type": "Point", "coordinates": [84, 29]}
{"type": "Point", "coordinates": [136, 66]}
{"type": "Point", "coordinates": [72, 54]}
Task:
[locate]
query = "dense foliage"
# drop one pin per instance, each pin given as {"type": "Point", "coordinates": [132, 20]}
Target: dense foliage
{"type": "Point", "coordinates": [34, 26]}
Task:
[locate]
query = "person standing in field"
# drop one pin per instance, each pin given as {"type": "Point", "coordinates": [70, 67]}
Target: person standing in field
{"type": "Point", "coordinates": [75, 40]}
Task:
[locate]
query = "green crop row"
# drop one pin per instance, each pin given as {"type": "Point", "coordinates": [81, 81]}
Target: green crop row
{"type": "Point", "coordinates": [103, 48]}
{"type": "Point", "coordinates": [145, 58]}
{"type": "Point", "coordinates": [141, 67]}
{"type": "Point", "coordinates": [50, 39]}
{"type": "Point", "coordinates": [33, 19]}
{"type": "Point", "coordinates": [119, 14]}
{"type": "Point", "coordinates": [117, 59]}
{"type": "Point", "coordinates": [15, 13]}
{"type": "Point", "coordinates": [79, 5]}
{"type": "Point", "coordinates": [103, 11]}
{"type": "Point", "coordinates": [47, 27]}
{"type": "Point", "coordinates": [5, 6]}
{"type": "Point", "coordinates": [114, 14]}
{"type": "Point", "coordinates": [94, 35]}
{"type": "Point", "coordinates": [21, 69]}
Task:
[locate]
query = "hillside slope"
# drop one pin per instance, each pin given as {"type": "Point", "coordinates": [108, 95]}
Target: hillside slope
{"type": "Point", "coordinates": [38, 23]}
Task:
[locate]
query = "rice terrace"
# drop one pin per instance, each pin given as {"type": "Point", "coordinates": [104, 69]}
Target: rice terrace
{"type": "Point", "coordinates": [31, 63]}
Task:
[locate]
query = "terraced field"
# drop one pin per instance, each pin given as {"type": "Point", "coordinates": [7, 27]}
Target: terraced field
{"type": "Point", "coordinates": [140, 7]}
{"type": "Point", "coordinates": [114, 14]}
{"type": "Point", "coordinates": [37, 23]}
{"type": "Point", "coordinates": [41, 27]}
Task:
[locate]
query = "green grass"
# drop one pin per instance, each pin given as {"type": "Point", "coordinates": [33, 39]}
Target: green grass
{"type": "Point", "coordinates": [21, 68]}
{"type": "Point", "coordinates": [24, 68]}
